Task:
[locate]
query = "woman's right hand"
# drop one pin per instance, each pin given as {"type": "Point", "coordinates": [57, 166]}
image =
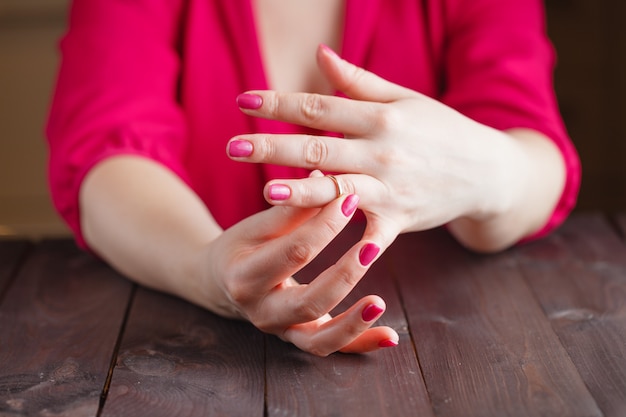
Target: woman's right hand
{"type": "Point", "coordinates": [149, 225]}
{"type": "Point", "coordinates": [250, 277]}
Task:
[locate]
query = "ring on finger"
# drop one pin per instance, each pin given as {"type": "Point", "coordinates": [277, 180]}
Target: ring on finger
{"type": "Point", "coordinates": [338, 187]}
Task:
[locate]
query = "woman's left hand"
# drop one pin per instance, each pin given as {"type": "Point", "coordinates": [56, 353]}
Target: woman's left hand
{"type": "Point", "coordinates": [414, 162]}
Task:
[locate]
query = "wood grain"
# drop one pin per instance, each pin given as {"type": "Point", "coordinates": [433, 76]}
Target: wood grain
{"type": "Point", "coordinates": [386, 382]}
{"type": "Point", "coordinates": [59, 322]}
{"type": "Point", "coordinates": [620, 220]}
{"type": "Point", "coordinates": [539, 330]}
{"type": "Point", "coordinates": [179, 360]}
{"type": "Point", "coordinates": [11, 253]}
{"type": "Point", "coordinates": [484, 344]}
{"type": "Point", "coordinates": [579, 277]}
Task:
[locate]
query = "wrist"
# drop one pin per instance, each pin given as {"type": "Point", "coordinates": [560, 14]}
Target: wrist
{"type": "Point", "coordinates": [202, 281]}
{"type": "Point", "coordinates": [500, 183]}
{"type": "Point", "coordinates": [501, 176]}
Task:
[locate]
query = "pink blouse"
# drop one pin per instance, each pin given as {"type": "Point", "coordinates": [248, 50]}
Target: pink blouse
{"type": "Point", "coordinates": [158, 78]}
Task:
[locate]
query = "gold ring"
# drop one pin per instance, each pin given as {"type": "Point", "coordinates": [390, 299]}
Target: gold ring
{"type": "Point", "coordinates": [338, 188]}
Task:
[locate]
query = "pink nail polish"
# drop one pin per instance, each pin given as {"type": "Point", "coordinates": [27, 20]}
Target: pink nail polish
{"type": "Point", "coordinates": [368, 253]}
{"type": "Point", "coordinates": [249, 101]}
{"type": "Point", "coordinates": [279, 192]}
{"type": "Point", "coordinates": [387, 343]}
{"type": "Point", "coordinates": [239, 148]}
{"type": "Point", "coordinates": [371, 312]}
{"type": "Point", "coordinates": [349, 205]}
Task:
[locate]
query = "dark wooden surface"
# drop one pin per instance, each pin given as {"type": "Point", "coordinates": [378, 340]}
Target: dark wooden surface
{"type": "Point", "coordinates": [539, 330]}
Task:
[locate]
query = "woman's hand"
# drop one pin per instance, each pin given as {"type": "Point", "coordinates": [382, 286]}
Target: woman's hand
{"type": "Point", "coordinates": [414, 162]}
{"type": "Point", "coordinates": [250, 276]}
{"type": "Point", "coordinates": [149, 225]}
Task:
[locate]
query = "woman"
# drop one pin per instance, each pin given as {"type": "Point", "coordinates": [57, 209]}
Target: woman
{"type": "Point", "coordinates": [438, 112]}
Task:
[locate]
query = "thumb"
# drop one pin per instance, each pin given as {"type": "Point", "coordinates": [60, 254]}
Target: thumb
{"type": "Point", "coordinates": [356, 82]}
{"type": "Point", "coordinates": [380, 230]}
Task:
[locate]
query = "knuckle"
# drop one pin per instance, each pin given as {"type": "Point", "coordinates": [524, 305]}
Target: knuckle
{"type": "Point", "coordinates": [347, 184]}
{"type": "Point", "coordinates": [385, 118]}
{"type": "Point", "coordinates": [271, 104]}
{"type": "Point", "coordinates": [307, 195]}
{"type": "Point", "coordinates": [312, 107]}
{"type": "Point", "coordinates": [315, 151]}
{"type": "Point", "coordinates": [344, 277]}
{"type": "Point", "coordinates": [389, 157]}
{"type": "Point", "coordinates": [352, 330]}
{"type": "Point", "coordinates": [307, 310]}
{"type": "Point", "coordinates": [265, 147]}
{"type": "Point", "coordinates": [239, 294]}
{"type": "Point", "coordinates": [331, 227]}
{"type": "Point", "coordinates": [299, 253]}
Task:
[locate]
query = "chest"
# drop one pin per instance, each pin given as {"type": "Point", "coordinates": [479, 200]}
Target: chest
{"type": "Point", "coordinates": [289, 33]}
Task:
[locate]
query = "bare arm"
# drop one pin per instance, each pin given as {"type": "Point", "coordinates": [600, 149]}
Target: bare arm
{"type": "Point", "coordinates": [538, 176]}
{"type": "Point", "coordinates": [149, 225]}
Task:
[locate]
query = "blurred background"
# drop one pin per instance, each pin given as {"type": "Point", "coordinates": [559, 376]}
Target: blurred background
{"type": "Point", "coordinates": [590, 83]}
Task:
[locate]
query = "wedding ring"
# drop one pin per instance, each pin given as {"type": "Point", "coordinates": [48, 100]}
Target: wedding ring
{"type": "Point", "coordinates": [338, 188]}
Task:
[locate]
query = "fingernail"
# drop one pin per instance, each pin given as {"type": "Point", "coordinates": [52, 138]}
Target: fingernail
{"type": "Point", "coordinates": [239, 148]}
{"type": "Point", "coordinates": [279, 192]}
{"type": "Point", "coordinates": [249, 101]}
{"type": "Point", "coordinates": [371, 312]}
{"type": "Point", "coordinates": [349, 205]}
{"type": "Point", "coordinates": [368, 253]}
{"type": "Point", "coordinates": [329, 50]}
{"type": "Point", "coordinates": [387, 343]}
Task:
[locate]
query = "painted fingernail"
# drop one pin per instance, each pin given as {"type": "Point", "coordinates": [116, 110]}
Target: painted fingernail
{"type": "Point", "coordinates": [387, 343]}
{"type": "Point", "coordinates": [371, 312]}
{"type": "Point", "coordinates": [349, 205]}
{"type": "Point", "coordinates": [368, 253]}
{"type": "Point", "coordinates": [279, 192]}
{"type": "Point", "coordinates": [249, 101]}
{"type": "Point", "coordinates": [239, 148]}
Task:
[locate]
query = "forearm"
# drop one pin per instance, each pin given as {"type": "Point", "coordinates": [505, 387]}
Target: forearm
{"type": "Point", "coordinates": [147, 224]}
{"type": "Point", "coordinates": [537, 170]}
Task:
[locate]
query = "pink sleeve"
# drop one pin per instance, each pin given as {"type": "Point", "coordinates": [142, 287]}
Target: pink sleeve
{"type": "Point", "coordinates": [499, 72]}
{"type": "Point", "coordinates": [116, 93]}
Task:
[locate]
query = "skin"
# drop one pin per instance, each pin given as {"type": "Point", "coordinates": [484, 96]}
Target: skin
{"type": "Point", "coordinates": [413, 163]}
{"type": "Point", "coordinates": [164, 238]}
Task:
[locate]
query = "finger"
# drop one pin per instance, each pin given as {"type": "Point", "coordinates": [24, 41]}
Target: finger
{"type": "Point", "coordinates": [287, 306]}
{"type": "Point", "coordinates": [316, 173]}
{"type": "Point", "coordinates": [272, 223]}
{"type": "Point", "coordinates": [319, 191]}
{"type": "Point", "coordinates": [327, 113]}
{"type": "Point", "coordinates": [382, 230]}
{"type": "Point", "coordinates": [356, 82]}
{"type": "Point", "coordinates": [350, 330]}
{"type": "Point", "coordinates": [275, 260]}
{"type": "Point", "coordinates": [373, 339]}
{"type": "Point", "coordinates": [307, 151]}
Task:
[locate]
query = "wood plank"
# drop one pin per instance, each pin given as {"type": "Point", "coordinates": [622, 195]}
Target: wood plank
{"type": "Point", "coordinates": [620, 220]}
{"type": "Point", "coordinates": [11, 254]}
{"type": "Point", "coordinates": [386, 382]}
{"type": "Point", "coordinates": [177, 359]}
{"type": "Point", "coordinates": [59, 324]}
{"type": "Point", "coordinates": [579, 277]}
{"type": "Point", "coordinates": [484, 344]}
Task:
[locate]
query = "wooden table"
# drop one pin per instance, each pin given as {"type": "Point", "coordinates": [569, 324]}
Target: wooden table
{"type": "Point", "coordinates": [539, 330]}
